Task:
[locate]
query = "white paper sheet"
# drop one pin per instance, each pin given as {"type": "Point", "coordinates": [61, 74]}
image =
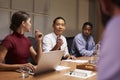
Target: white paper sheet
{"type": "Point", "coordinates": [58, 68]}
{"type": "Point", "coordinates": [77, 61]}
{"type": "Point", "coordinates": [81, 73]}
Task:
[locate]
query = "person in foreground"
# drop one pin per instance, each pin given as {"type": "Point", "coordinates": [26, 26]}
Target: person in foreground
{"type": "Point", "coordinates": [83, 43]}
{"type": "Point", "coordinates": [55, 40]}
{"type": "Point", "coordinates": [108, 62]}
{"type": "Point", "coordinates": [15, 49]}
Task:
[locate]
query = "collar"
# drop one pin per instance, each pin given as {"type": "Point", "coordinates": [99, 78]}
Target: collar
{"type": "Point", "coordinates": [18, 34]}
{"type": "Point", "coordinates": [56, 35]}
{"type": "Point", "coordinates": [86, 38]}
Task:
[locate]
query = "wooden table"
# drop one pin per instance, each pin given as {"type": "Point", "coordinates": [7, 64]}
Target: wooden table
{"type": "Point", "coordinates": [55, 75]}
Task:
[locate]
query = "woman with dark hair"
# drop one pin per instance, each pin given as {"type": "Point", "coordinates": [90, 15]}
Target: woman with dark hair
{"type": "Point", "coordinates": [15, 49]}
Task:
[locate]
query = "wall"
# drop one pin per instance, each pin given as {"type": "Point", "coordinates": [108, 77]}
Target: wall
{"type": "Point", "coordinates": [68, 10]}
{"type": "Point", "coordinates": [42, 12]}
{"type": "Point", "coordinates": [83, 11]}
{"type": "Point", "coordinates": [76, 12]}
{"type": "Point", "coordinates": [38, 9]}
{"type": "Point", "coordinates": [100, 29]}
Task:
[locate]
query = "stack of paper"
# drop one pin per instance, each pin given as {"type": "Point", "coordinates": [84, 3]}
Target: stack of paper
{"type": "Point", "coordinates": [58, 68]}
{"type": "Point", "coordinates": [81, 73]}
{"type": "Point", "coordinates": [77, 61]}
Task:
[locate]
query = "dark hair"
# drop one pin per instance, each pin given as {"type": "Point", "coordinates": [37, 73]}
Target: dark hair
{"type": "Point", "coordinates": [54, 21]}
{"type": "Point", "coordinates": [87, 23]}
{"type": "Point", "coordinates": [116, 2]}
{"type": "Point", "coordinates": [17, 19]}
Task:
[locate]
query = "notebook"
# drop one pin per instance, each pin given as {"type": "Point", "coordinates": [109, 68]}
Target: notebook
{"type": "Point", "coordinates": [48, 61]}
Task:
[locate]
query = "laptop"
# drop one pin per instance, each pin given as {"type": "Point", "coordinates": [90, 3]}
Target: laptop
{"type": "Point", "coordinates": [48, 61]}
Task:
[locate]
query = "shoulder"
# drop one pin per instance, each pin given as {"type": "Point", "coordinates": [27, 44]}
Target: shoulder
{"type": "Point", "coordinates": [27, 39]}
{"type": "Point", "coordinates": [63, 37]}
{"type": "Point", "coordinates": [49, 36]}
{"type": "Point", "coordinates": [78, 36]}
{"type": "Point", "coordinates": [9, 38]}
{"type": "Point", "coordinates": [113, 24]}
{"type": "Point", "coordinates": [91, 37]}
{"type": "Point", "coordinates": [112, 30]}
{"type": "Point", "coordinates": [8, 41]}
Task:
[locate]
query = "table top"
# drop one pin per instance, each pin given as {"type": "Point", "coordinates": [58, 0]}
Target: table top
{"type": "Point", "coordinates": [54, 75]}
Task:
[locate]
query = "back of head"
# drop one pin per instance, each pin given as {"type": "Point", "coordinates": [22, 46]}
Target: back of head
{"type": "Point", "coordinates": [17, 19]}
{"type": "Point", "coordinates": [107, 9]}
{"type": "Point", "coordinates": [116, 2]}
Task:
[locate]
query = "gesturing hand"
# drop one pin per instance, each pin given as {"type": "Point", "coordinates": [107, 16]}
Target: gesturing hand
{"type": "Point", "coordinates": [59, 42]}
{"type": "Point", "coordinates": [38, 35]}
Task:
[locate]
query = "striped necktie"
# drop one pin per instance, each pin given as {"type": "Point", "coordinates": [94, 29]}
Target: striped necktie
{"type": "Point", "coordinates": [86, 47]}
{"type": "Point", "coordinates": [58, 39]}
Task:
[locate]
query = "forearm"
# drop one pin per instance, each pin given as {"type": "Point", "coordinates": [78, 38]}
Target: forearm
{"type": "Point", "coordinates": [55, 48]}
{"type": "Point", "coordinates": [38, 37]}
{"type": "Point", "coordinates": [7, 67]}
{"type": "Point", "coordinates": [86, 52]}
{"type": "Point", "coordinates": [39, 51]}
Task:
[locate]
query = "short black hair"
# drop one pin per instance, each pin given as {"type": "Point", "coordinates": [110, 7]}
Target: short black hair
{"type": "Point", "coordinates": [54, 21]}
{"type": "Point", "coordinates": [87, 23]}
{"type": "Point", "coordinates": [116, 2]}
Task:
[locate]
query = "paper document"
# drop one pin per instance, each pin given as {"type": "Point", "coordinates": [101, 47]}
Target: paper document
{"type": "Point", "coordinates": [58, 68]}
{"type": "Point", "coordinates": [77, 61]}
{"type": "Point", "coordinates": [81, 73]}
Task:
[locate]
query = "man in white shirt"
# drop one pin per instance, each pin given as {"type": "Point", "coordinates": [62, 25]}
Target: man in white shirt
{"type": "Point", "coordinates": [55, 40]}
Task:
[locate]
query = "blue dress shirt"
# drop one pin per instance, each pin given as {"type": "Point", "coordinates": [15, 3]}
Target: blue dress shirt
{"type": "Point", "coordinates": [79, 44]}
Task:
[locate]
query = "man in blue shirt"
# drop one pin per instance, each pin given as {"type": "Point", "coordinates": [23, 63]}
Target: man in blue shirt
{"type": "Point", "coordinates": [83, 43]}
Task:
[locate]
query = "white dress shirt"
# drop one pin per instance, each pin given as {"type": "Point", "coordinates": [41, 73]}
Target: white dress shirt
{"type": "Point", "coordinates": [49, 41]}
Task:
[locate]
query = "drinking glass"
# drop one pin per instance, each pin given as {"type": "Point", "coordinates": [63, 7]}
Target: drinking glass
{"type": "Point", "coordinates": [24, 72]}
{"type": "Point", "coordinates": [92, 60]}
